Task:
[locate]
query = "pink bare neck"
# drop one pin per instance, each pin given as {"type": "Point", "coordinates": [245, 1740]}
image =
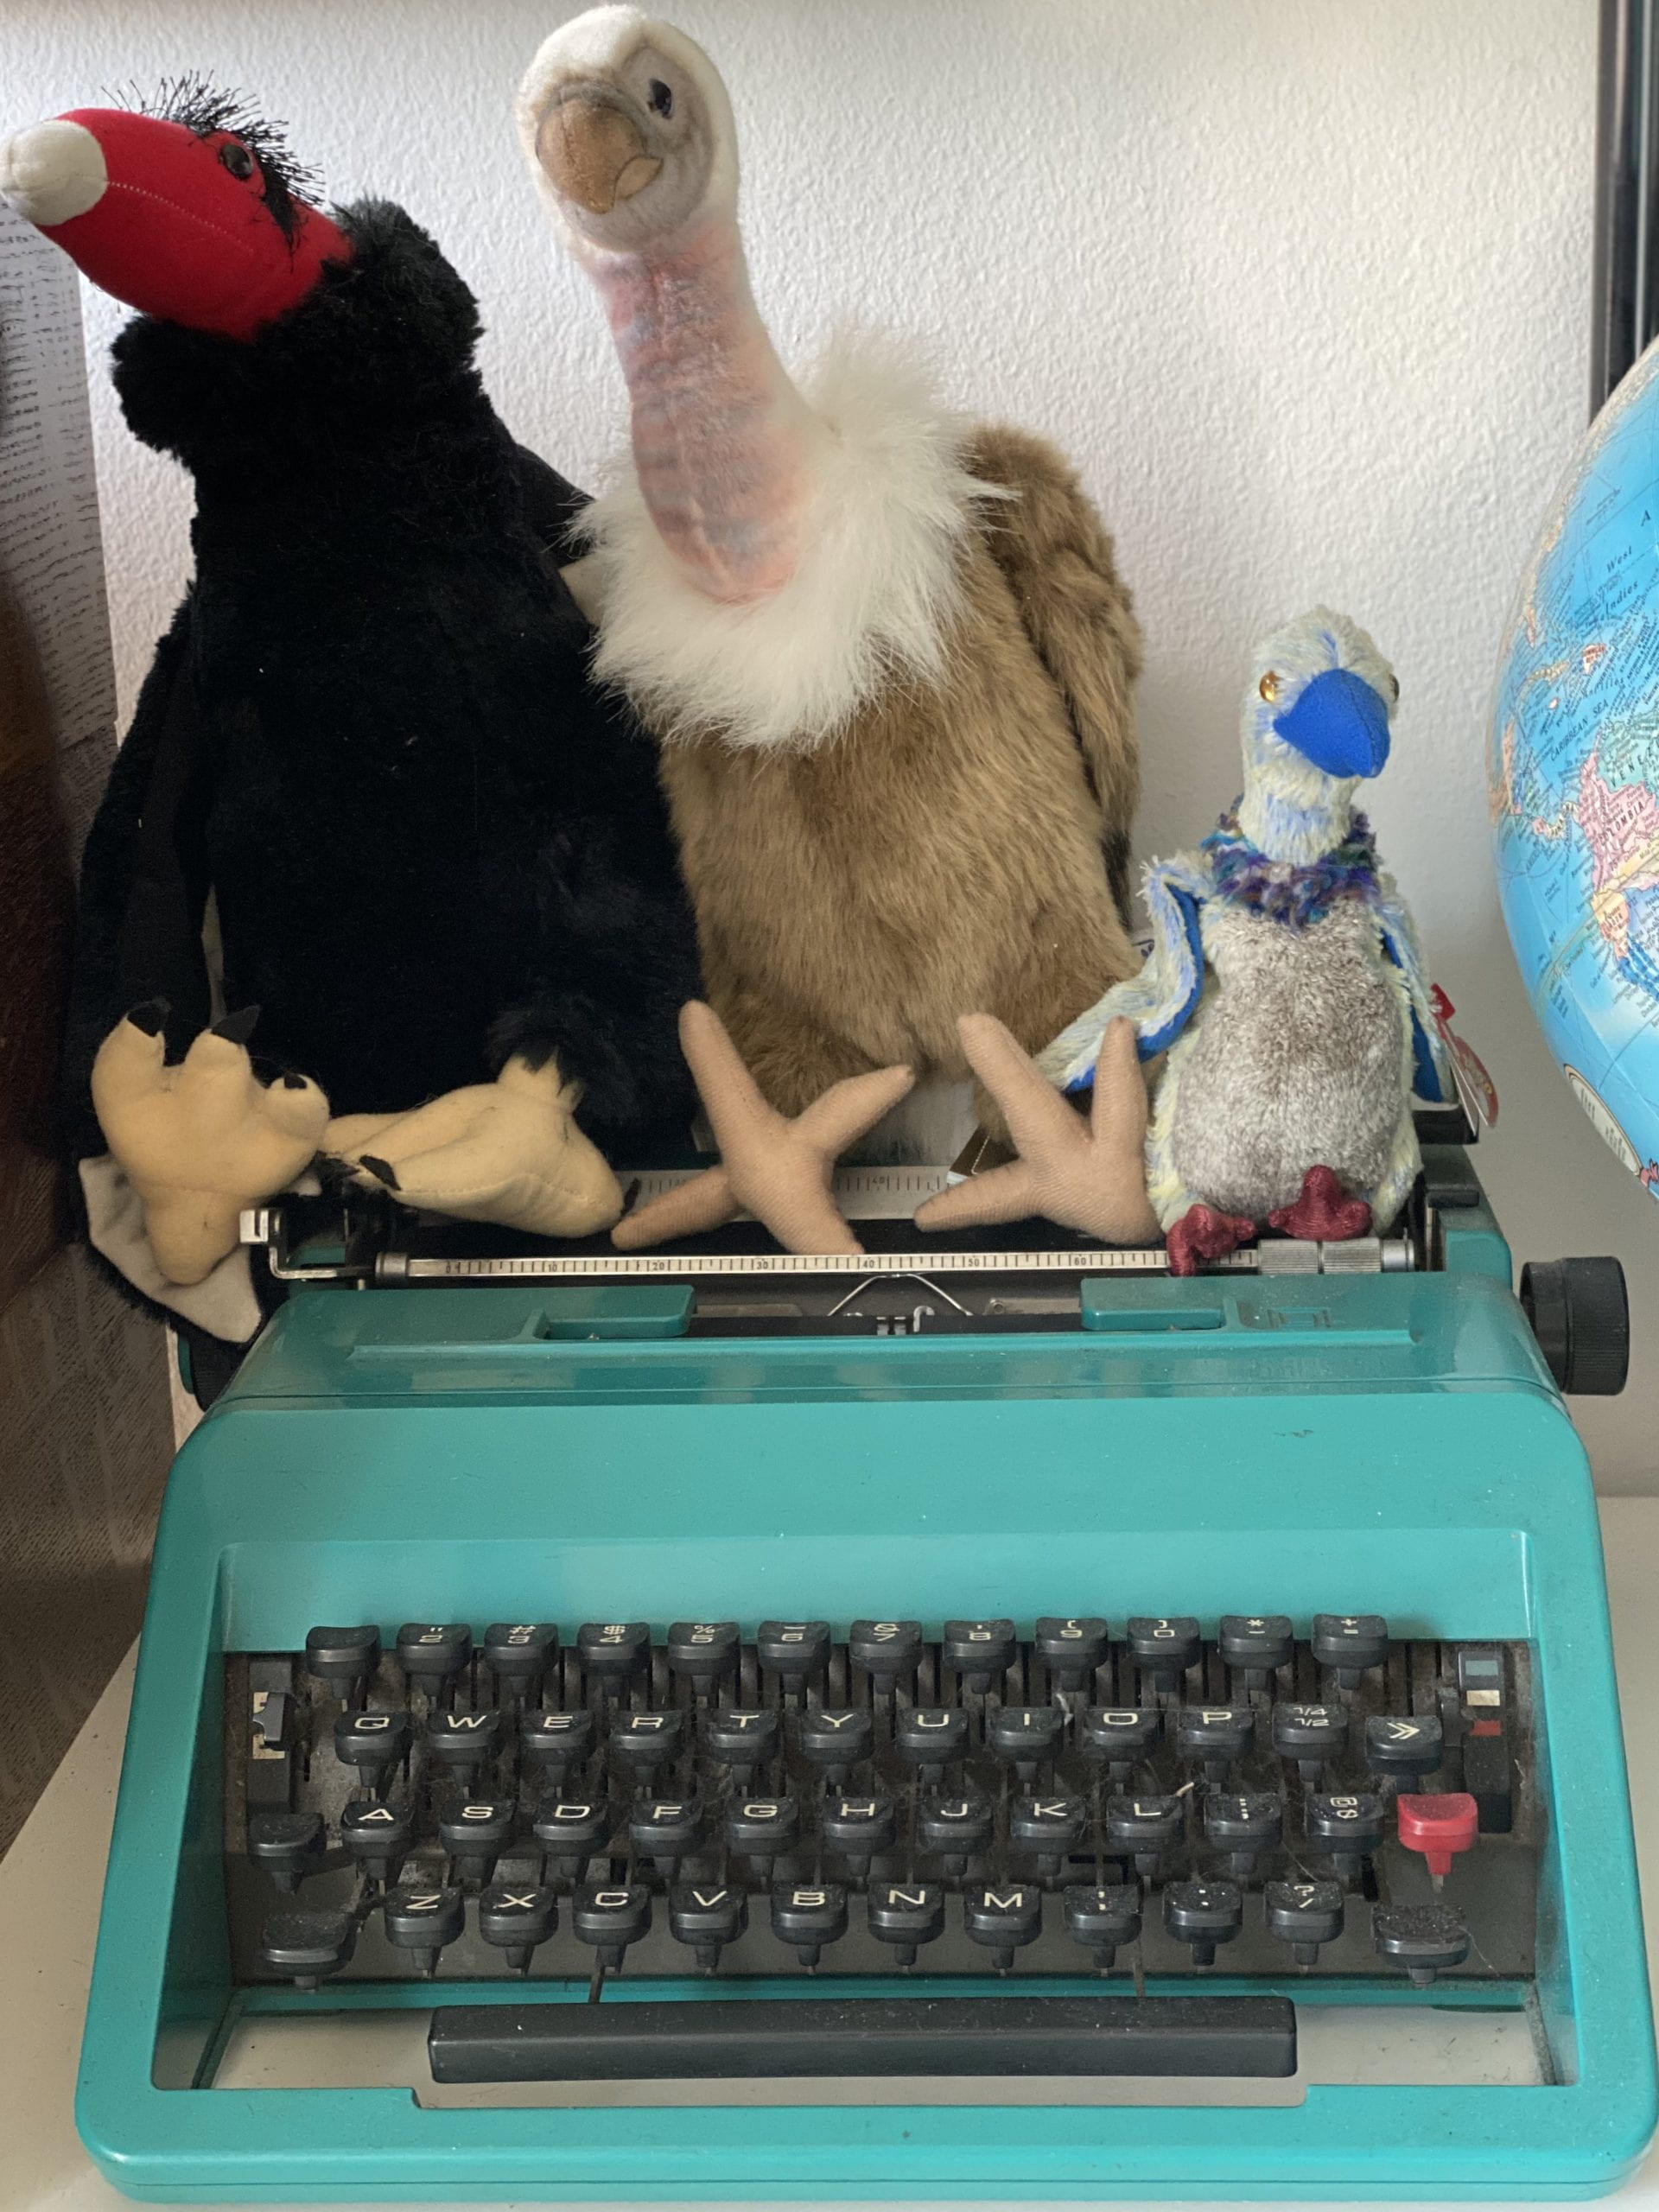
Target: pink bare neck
{"type": "Point", "coordinates": [722, 438]}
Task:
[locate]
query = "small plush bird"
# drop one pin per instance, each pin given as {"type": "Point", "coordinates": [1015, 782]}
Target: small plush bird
{"type": "Point", "coordinates": [888, 653]}
{"type": "Point", "coordinates": [1284, 981]}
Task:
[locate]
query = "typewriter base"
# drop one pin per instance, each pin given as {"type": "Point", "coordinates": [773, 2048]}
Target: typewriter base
{"type": "Point", "coordinates": [1387, 1444]}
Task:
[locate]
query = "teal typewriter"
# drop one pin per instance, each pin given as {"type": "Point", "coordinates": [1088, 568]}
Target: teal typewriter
{"type": "Point", "coordinates": [943, 1724]}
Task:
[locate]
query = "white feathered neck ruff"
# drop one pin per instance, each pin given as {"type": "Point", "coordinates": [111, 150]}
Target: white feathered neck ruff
{"type": "Point", "coordinates": [873, 599]}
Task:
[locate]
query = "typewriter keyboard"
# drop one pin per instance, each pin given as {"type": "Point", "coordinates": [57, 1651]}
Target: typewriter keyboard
{"type": "Point", "coordinates": [1069, 1797]}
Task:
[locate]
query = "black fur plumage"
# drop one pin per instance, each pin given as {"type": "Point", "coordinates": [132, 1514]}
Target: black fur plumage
{"type": "Point", "coordinates": [431, 840]}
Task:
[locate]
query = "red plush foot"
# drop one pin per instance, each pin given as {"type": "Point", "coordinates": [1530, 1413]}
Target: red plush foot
{"type": "Point", "coordinates": [1202, 1234]}
{"type": "Point", "coordinates": [1324, 1213]}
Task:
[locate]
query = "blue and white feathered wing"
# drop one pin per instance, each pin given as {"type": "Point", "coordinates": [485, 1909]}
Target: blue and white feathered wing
{"type": "Point", "coordinates": [1432, 1075]}
{"type": "Point", "coordinates": [1160, 999]}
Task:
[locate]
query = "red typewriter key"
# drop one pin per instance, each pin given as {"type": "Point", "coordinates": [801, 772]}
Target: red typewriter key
{"type": "Point", "coordinates": [1438, 1826]}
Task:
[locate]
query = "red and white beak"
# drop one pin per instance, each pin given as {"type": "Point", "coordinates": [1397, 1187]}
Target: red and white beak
{"type": "Point", "coordinates": [174, 220]}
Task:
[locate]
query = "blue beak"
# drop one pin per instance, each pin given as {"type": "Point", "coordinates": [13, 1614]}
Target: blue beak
{"type": "Point", "coordinates": [1339, 723]}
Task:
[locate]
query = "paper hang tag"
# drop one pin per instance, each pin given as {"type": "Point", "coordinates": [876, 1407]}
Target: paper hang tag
{"type": "Point", "coordinates": [1476, 1092]}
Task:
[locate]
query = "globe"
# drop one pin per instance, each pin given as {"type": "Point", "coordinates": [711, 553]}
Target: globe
{"type": "Point", "coordinates": [1574, 769]}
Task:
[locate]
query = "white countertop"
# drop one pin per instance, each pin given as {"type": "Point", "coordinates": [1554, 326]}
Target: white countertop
{"type": "Point", "coordinates": [51, 1879]}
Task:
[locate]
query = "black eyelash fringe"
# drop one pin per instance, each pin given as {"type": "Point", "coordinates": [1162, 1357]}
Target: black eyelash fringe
{"type": "Point", "coordinates": [203, 107]}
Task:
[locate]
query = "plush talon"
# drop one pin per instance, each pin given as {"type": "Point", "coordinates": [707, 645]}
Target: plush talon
{"type": "Point", "coordinates": [1324, 1213]}
{"type": "Point", "coordinates": [507, 1152]}
{"type": "Point", "coordinates": [201, 1141]}
{"type": "Point", "coordinates": [1088, 1175]}
{"type": "Point", "coordinates": [236, 1028]}
{"type": "Point", "coordinates": [1202, 1234]}
{"type": "Point", "coordinates": [776, 1169]}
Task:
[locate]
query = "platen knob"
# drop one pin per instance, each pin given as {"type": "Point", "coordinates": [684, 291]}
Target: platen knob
{"type": "Point", "coordinates": [1581, 1318]}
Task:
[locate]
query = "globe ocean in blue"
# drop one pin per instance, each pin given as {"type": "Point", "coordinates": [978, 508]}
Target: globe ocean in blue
{"type": "Point", "coordinates": [1574, 768]}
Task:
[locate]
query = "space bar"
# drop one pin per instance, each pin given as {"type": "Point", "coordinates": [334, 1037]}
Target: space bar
{"type": "Point", "coordinates": [766, 2039]}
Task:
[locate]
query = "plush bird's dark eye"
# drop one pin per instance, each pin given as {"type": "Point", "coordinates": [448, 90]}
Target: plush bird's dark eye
{"type": "Point", "coordinates": [660, 96]}
{"type": "Point", "coordinates": [236, 159]}
{"type": "Point", "coordinates": [1394, 686]}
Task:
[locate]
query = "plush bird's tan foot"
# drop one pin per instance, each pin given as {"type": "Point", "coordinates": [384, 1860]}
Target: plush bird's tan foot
{"type": "Point", "coordinates": [776, 1169]}
{"type": "Point", "coordinates": [1089, 1175]}
{"type": "Point", "coordinates": [201, 1141]}
{"type": "Point", "coordinates": [507, 1152]}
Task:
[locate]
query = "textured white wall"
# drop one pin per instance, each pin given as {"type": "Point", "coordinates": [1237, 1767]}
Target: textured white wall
{"type": "Point", "coordinates": [1303, 285]}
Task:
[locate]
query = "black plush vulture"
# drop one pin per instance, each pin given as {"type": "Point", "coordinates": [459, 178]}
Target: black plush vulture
{"type": "Point", "coordinates": [369, 744]}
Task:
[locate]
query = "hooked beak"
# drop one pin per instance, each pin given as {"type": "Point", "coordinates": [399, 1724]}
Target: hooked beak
{"type": "Point", "coordinates": [52, 172]}
{"type": "Point", "coordinates": [593, 151]}
{"type": "Point", "coordinates": [1339, 723]}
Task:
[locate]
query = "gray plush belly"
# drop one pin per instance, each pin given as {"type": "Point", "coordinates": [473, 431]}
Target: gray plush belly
{"type": "Point", "coordinates": [1296, 1061]}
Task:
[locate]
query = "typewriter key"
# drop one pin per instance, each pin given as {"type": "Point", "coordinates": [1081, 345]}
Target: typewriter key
{"type": "Point", "coordinates": [796, 1651]}
{"type": "Point", "coordinates": [1350, 1644]}
{"type": "Point", "coordinates": [514, 1917]}
{"type": "Point", "coordinates": [1245, 1824]}
{"type": "Point", "coordinates": [888, 1651]}
{"type": "Point", "coordinates": [836, 1739]}
{"type": "Point", "coordinates": [434, 1654]}
{"type": "Point", "coordinates": [707, 1915]}
{"type": "Point", "coordinates": [930, 1737]}
{"type": "Point", "coordinates": [1163, 1646]}
{"type": "Point", "coordinates": [1424, 1939]}
{"type": "Point", "coordinates": [554, 1744]}
{"type": "Point", "coordinates": [1004, 1917]}
{"type": "Point", "coordinates": [641, 1743]}
{"type": "Point", "coordinates": [475, 1834]}
{"type": "Point", "coordinates": [610, 1916]}
{"type": "Point", "coordinates": [1103, 1919]}
{"type": "Point", "coordinates": [741, 1741]}
{"type": "Point", "coordinates": [613, 1651]}
{"type": "Point", "coordinates": [421, 1921]}
{"type": "Point", "coordinates": [306, 1945]}
{"type": "Point", "coordinates": [907, 1914]}
{"type": "Point", "coordinates": [461, 1743]}
{"type": "Point", "coordinates": [345, 1658]}
{"type": "Point", "coordinates": [288, 1845]}
{"type": "Point", "coordinates": [1203, 1915]}
{"type": "Point", "coordinates": [378, 1835]}
{"type": "Point", "coordinates": [808, 1915]}
{"type": "Point", "coordinates": [1119, 1738]}
{"type": "Point", "coordinates": [1310, 1734]}
{"type": "Point", "coordinates": [662, 1829]}
{"type": "Point", "coordinates": [1027, 1735]}
{"type": "Point", "coordinates": [1258, 1644]}
{"type": "Point", "coordinates": [1046, 1829]}
{"type": "Point", "coordinates": [957, 1827]}
{"type": "Point", "coordinates": [705, 1652]}
{"type": "Point", "coordinates": [981, 1651]}
{"type": "Point", "coordinates": [374, 1743]}
{"type": "Point", "coordinates": [1071, 1650]}
{"type": "Point", "coordinates": [1398, 1746]}
{"type": "Point", "coordinates": [1214, 1736]}
{"type": "Point", "coordinates": [1304, 1915]}
{"type": "Point", "coordinates": [518, 1654]}
{"type": "Point", "coordinates": [858, 1827]}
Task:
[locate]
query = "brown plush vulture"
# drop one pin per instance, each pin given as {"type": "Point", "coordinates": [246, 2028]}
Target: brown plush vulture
{"type": "Point", "coordinates": [886, 653]}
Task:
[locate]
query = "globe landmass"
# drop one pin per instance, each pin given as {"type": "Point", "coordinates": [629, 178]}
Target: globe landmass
{"type": "Point", "coordinates": [1574, 773]}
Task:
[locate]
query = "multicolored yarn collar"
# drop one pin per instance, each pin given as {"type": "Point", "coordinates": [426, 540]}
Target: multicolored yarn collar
{"type": "Point", "coordinates": [1279, 889]}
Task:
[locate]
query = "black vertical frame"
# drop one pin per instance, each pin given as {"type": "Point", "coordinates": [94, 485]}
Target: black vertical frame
{"type": "Point", "coordinates": [1626, 269]}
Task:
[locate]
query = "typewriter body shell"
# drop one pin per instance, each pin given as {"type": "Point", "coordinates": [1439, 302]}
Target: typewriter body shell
{"type": "Point", "coordinates": [1389, 1442]}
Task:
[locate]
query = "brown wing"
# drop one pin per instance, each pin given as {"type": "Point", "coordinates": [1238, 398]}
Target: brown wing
{"type": "Point", "coordinates": [1049, 544]}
